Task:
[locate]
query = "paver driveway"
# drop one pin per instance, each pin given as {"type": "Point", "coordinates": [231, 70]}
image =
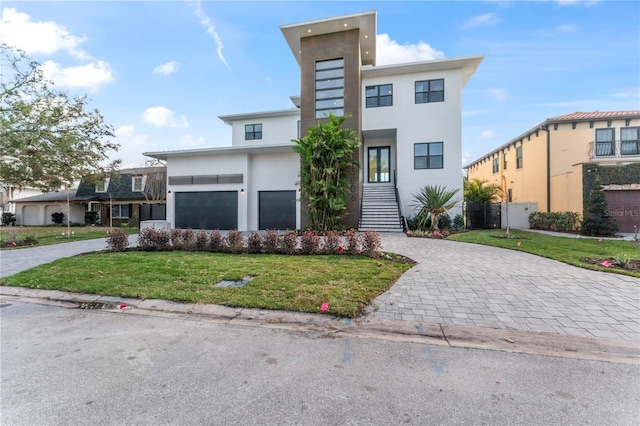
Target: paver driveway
{"type": "Point", "coordinates": [468, 284]}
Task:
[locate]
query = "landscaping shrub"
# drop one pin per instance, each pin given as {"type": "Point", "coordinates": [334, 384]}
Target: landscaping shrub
{"type": "Point", "coordinates": [188, 240]}
{"type": "Point", "coordinates": [288, 243]}
{"type": "Point", "coordinates": [117, 240]}
{"type": "Point", "coordinates": [176, 238]}
{"type": "Point", "coordinates": [597, 221]}
{"type": "Point", "coordinates": [8, 219]}
{"type": "Point", "coordinates": [444, 221]}
{"type": "Point", "coordinates": [352, 242]}
{"type": "Point", "coordinates": [458, 222]}
{"type": "Point", "coordinates": [57, 218]}
{"type": "Point", "coordinates": [271, 241]}
{"type": "Point", "coordinates": [254, 243]}
{"type": "Point", "coordinates": [216, 242]}
{"type": "Point", "coordinates": [370, 242]}
{"type": "Point", "coordinates": [554, 221]}
{"type": "Point", "coordinates": [202, 238]}
{"type": "Point", "coordinates": [235, 241]}
{"type": "Point", "coordinates": [90, 218]}
{"type": "Point", "coordinates": [154, 240]}
{"type": "Point", "coordinates": [309, 242]}
{"type": "Point", "coordinates": [332, 242]}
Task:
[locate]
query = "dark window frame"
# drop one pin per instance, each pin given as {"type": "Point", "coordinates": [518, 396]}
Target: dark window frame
{"type": "Point", "coordinates": [504, 160]}
{"type": "Point", "coordinates": [325, 67]}
{"type": "Point", "coordinates": [633, 143]}
{"type": "Point", "coordinates": [519, 157]}
{"type": "Point", "coordinates": [606, 147]}
{"type": "Point", "coordinates": [429, 159]}
{"type": "Point", "coordinates": [377, 100]}
{"type": "Point", "coordinates": [429, 95]}
{"type": "Point", "coordinates": [496, 164]}
{"type": "Point", "coordinates": [251, 131]}
{"type": "Point", "coordinates": [119, 208]}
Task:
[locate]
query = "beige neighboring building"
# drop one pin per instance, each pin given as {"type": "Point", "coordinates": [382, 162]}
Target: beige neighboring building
{"type": "Point", "coordinates": [554, 164]}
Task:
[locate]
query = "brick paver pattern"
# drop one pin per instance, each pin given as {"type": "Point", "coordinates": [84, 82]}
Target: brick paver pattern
{"type": "Point", "coordinates": [473, 285]}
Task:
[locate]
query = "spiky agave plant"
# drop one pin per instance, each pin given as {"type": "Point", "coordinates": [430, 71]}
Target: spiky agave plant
{"type": "Point", "coordinates": [432, 201]}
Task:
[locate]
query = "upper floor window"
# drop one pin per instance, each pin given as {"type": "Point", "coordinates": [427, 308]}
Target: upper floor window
{"type": "Point", "coordinates": [630, 141]}
{"type": "Point", "coordinates": [605, 142]}
{"type": "Point", "coordinates": [496, 164]}
{"type": "Point", "coordinates": [137, 183]}
{"type": "Point", "coordinates": [504, 161]}
{"type": "Point", "coordinates": [252, 131]}
{"type": "Point", "coordinates": [429, 91]}
{"type": "Point", "coordinates": [103, 186]}
{"type": "Point", "coordinates": [428, 155]}
{"type": "Point", "coordinates": [330, 88]}
{"type": "Point", "coordinates": [379, 96]}
{"type": "Point", "coordinates": [519, 157]}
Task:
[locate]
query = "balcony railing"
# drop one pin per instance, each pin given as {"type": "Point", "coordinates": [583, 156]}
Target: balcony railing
{"type": "Point", "coordinates": [617, 148]}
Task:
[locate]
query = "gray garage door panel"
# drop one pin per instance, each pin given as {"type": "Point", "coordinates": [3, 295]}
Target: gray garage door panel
{"type": "Point", "coordinates": [207, 210]}
{"type": "Point", "coordinates": [277, 209]}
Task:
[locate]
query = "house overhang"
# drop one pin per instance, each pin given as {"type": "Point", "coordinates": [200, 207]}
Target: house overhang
{"type": "Point", "coordinates": [229, 119]}
{"type": "Point", "coordinates": [252, 150]}
{"type": "Point", "coordinates": [364, 22]}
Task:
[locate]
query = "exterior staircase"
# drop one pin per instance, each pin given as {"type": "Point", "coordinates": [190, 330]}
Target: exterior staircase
{"type": "Point", "coordinates": [379, 209]}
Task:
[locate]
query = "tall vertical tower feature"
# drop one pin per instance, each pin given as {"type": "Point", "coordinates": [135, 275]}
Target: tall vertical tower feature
{"type": "Point", "coordinates": [331, 53]}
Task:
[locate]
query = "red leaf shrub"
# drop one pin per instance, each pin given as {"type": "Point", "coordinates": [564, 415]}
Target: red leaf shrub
{"type": "Point", "coordinates": [235, 241]}
{"type": "Point", "coordinates": [288, 243]}
{"type": "Point", "coordinates": [117, 240]}
{"type": "Point", "coordinates": [309, 242]}
{"type": "Point", "coordinates": [216, 242]}
{"type": "Point", "coordinates": [271, 241]}
{"type": "Point", "coordinates": [370, 242]}
{"type": "Point", "coordinates": [254, 243]}
{"type": "Point", "coordinates": [332, 243]}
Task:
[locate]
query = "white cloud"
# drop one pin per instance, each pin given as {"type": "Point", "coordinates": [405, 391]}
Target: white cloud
{"type": "Point", "coordinates": [488, 134]}
{"type": "Point", "coordinates": [391, 52]}
{"type": "Point", "coordinates": [574, 2]}
{"type": "Point", "coordinates": [44, 37]}
{"type": "Point", "coordinates": [488, 19]}
{"type": "Point", "coordinates": [127, 136]}
{"type": "Point", "coordinates": [211, 30]}
{"type": "Point", "coordinates": [467, 157]}
{"type": "Point", "coordinates": [567, 28]}
{"type": "Point", "coordinates": [90, 76]}
{"type": "Point", "coordinates": [628, 93]}
{"type": "Point", "coordinates": [189, 141]}
{"type": "Point", "coordinates": [166, 69]}
{"type": "Point", "coordinates": [160, 116]}
{"type": "Point", "coordinates": [498, 94]}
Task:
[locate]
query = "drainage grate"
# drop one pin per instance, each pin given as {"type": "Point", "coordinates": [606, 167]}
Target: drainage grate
{"type": "Point", "coordinates": [96, 305]}
{"type": "Point", "coordinates": [234, 284]}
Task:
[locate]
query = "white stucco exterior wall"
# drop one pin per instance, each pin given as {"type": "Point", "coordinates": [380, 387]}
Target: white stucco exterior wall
{"type": "Point", "coordinates": [420, 123]}
{"type": "Point", "coordinates": [275, 130]}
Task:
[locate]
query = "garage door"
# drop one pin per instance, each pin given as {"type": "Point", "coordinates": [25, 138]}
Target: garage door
{"type": "Point", "coordinates": [277, 209]}
{"type": "Point", "coordinates": [30, 216]}
{"type": "Point", "coordinates": [207, 210]}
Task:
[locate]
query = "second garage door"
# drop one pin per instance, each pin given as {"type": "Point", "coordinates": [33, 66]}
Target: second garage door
{"type": "Point", "coordinates": [207, 210]}
{"type": "Point", "coordinates": [277, 209]}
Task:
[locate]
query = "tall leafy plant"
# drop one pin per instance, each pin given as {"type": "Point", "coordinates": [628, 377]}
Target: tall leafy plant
{"type": "Point", "coordinates": [326, 155]}
{"type": "Point", "coordinates": [432, 201]}
{"type": "Point", "coordinates": [480, 191]}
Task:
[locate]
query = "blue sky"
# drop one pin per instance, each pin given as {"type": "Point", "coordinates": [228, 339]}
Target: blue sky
{"type": "Point", "coordinates": [162, 72]}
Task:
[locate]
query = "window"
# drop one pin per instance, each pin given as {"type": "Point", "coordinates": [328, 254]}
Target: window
{"type": "Point", "coordinates": [504, 161]}
{"type": "Point", "coordinates": [120, 211]}
{"type": "Point", "coordinates": [379, 96]}
{"type": "Point", "coordinates": [137, 183]}
{"type": "Point", "coordinates": [103, 186]}
{"type": "Point", "coordinates": [496, 164]}
{"type": "Point", "coordinates": [630, 141]}
{"type": "Point", "coordinates": [429, 91]}
{"type": "Point", "coordinates": [519, 157]}
{"type": "Point", "coordinates": [510, 195]}
{"type": "Point", "coordinates": [605, 142]}
{"type": "Point", "coordinates": [428, 155]}
{"type": "Point", "coordinates": [330, 88]}
{"type": "Point", "coordinates": [252, 131]}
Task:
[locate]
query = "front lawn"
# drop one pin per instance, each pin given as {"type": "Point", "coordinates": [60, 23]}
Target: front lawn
{"type": "Point", "coordinates": [583, 252]}
{"type": "Point", "coordinates": [292, 283]}
{"type": "Point", "coordinates": [46, 235]}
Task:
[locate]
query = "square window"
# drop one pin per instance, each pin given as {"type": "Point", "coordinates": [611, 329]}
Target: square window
{"type": "Point", "coordinates": [428, 155]}
{"type": "Point", "coordinates": [428, 91]}
{"type": "Point", "coordinates": [252, 131]}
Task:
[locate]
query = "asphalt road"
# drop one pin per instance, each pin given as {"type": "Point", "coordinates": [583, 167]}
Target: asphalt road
{"type": "Point", "coordinates": [64, 366]}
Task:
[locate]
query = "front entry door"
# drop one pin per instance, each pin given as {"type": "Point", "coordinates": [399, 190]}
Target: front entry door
{"type": "Point", "coordinates": [379, 159]}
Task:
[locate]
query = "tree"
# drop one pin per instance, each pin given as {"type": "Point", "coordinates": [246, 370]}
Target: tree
{"type": "Point", "coordinates": [597, 221]}
{"type": "Point", "coordinates": [432, 201]}
{"type": "Point", "coordinates": [48, 139]}
{"type": "Point", "coordinates": [326, 154]}
{"type": "Point", "coordinates": [480, 191]}
{"type": "Point", "coordinates": [155, 182]}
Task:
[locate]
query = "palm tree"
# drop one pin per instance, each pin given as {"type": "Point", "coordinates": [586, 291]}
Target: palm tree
{"type": "Point", "coordinates": [432, 201]}
{"type": "Point", "coordinates": [480, 191]}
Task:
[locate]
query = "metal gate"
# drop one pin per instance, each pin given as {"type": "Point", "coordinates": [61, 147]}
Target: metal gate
{"type": "Point", "coordinates": [483, 215]}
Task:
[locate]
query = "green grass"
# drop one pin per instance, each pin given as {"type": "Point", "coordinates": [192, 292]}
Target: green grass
{"type": "Point", "coordinates": [47, 235]}
{"type": "Point", "coordinates": [571, 250]}
{"type": "Point", "coordinates": [292, 283]}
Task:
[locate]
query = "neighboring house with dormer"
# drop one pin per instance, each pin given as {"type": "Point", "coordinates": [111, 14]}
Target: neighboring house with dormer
{"type": "Point", "coordinates": [555, 163]}
{"type": "Point", "coordinates": [408, 117]}
{"type": "Point", "coordinates": [131, 196]}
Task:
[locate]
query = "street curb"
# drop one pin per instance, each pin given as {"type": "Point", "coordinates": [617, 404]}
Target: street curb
{"type": "Point", "coordinates": [506, 340]}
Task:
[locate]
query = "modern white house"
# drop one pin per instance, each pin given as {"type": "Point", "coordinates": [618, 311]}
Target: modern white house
{"type": "Point", "coordinates": [408, 116]}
